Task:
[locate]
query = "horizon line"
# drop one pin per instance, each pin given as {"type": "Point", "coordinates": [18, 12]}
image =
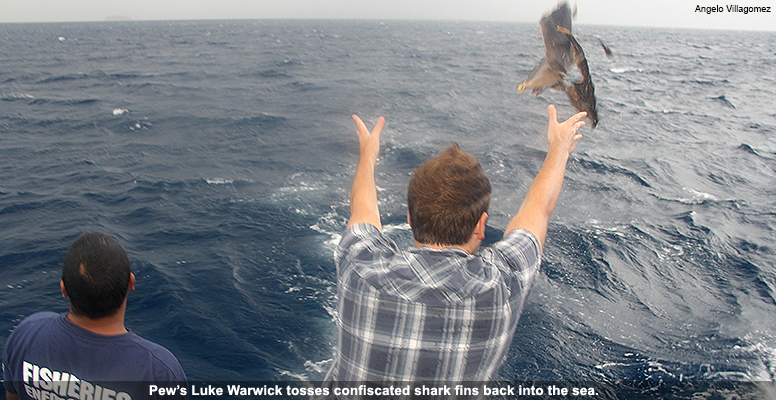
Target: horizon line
{"type": "Point", "coordinates": [127, 19]}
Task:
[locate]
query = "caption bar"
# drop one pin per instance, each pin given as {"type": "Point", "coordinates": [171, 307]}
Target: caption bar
{"type": "Point", "coordinates": [363, 390]}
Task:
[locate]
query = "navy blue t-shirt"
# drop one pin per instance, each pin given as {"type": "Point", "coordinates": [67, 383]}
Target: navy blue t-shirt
{"type": "Point", "coordinates": [47, 355]}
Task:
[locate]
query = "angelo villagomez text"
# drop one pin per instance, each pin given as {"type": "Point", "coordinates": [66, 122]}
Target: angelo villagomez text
{"type": "Point", "coordinates": [733, 8]}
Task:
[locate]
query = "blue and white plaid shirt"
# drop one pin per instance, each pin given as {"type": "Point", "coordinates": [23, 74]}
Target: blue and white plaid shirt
{"type": "Point", "coordinates": [425, 314]}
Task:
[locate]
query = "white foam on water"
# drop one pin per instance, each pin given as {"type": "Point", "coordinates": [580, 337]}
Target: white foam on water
{"type": "Point", "coordinates": [388, 229]}
{"type": "Point", "coordinates": [766, 353]}
{"type": "Point", "coordinates": [700, 195]}
{"type": "Point", "coordinates": [320, 367]}
{"type": "Point", "coordinates": [695, 197]}
{"type": "Point", "coordinates": [17, 96]}
{"type": "Point", "coordinates": [218, 181]}
{"type": "Point", "coordinates": [622, 70]}
{"type": "Point", "coordinates": [330, 224]}
{"type": "Point", "coordinates": [300, 377]}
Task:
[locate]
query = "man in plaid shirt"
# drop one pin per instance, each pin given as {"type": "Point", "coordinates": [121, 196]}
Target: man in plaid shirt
{"type": "Point", "coordinates": [445, 311]}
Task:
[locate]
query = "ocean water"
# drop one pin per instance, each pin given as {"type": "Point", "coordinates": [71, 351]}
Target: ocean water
{"type": "Point", "coordinates": [220, 154]}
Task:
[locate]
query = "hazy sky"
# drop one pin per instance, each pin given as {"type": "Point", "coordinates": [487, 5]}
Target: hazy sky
{"type": "Point", "coordinates": [658, 13]}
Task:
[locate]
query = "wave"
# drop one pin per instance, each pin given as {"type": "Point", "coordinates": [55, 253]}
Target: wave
{"type": "Point", "coordinates": [66, 102]}
{"type": "Point", "coordinates": [747, 148]}
{"type": "Point", "coordinates": [759, 153]}
{"type": "Point", "coordinates": [302, 86]}
{"type": "Point", "coordinates": [17, 97]}
{"type": "Point", "coordinates": [32, 100]}
{"type": "Point", "coordinates": [697, 197]}
{"type": "Point", "coordinates": [129, 75]}
{"type": "Point", "coordinates": [599, 271]}
{"type": "Point", "coordinates": [607, 169]}
{"type": "Point", "coordinates": [623, 70]}
{"type": "Point", "coordinates": [262, 120]}
{"type": "Point", "coordinates": [65, 77]}
{"type": "Point", "coordinates": [724, 101]}
{"type": "Point", "coordinates": [218, 181]}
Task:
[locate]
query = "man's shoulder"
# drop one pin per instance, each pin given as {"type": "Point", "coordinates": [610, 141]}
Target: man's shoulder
{"type": "Point", "coordinates": [154, 352]}
{"type": "Point", "coordinates": [519, 238]}
{"type": "Point", "coordinates": [365, 236]}
{"type": "Point", "coordinates": [49, 339]}
{"type": "Point", "coordinates": [36, 322]}
{"type": "Point", "coordinates": [362, 230]}
{"type": "Point", "coordinates": [519, 246]}
{"type": "Point", "coordinates": [149, 346]}
{"type": "Point", "coordinates": [40, 317]}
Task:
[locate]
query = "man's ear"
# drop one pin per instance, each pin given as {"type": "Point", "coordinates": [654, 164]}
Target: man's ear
{"type": "Point", "coordinates": [62, 287]}
{"type": "Point", "coordinates": [479, 229]}
{"type": "Point", "coordinates": [408, 219]}
{"type": "Point", "coordinates": [131, 282]}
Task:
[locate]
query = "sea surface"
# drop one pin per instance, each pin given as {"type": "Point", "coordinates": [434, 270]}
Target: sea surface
{"type": "Point", "coordinates": [220, 154]}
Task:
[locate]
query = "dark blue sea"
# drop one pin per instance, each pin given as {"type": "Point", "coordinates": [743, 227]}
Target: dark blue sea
{"type": "Point", "coordinates": [220, 154]}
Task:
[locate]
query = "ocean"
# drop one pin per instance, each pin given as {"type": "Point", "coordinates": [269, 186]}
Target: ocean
{"type": "Point", "coordinates": [220, 155]}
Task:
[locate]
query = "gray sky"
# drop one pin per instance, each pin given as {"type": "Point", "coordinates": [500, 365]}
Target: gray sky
{"type": "Point", "coordinates": [657, 13]}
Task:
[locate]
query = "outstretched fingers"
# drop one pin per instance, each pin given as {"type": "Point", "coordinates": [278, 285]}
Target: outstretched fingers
{"type": "Point", "coordinates": [552, 113]}
{"type": "Point", "coordinates": [362, 129]}
{"type": "Point", "coordinates": [577, 119]}
{"type": "Point", "coordinates": [553, 116]}
{"type": "Point", "coordinates": [369, 142]}
{"type": "Point", "coordinates": [564, 133]}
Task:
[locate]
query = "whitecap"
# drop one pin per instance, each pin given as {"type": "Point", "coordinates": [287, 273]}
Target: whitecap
{"type": "Point", "coordinates": [301, 377]}
{"type": "Point", "coordinates": [17, 96]}
{"type": "Point", "coordinates": [218, 181]}
{"type": "Point", "coordinates": [330, 224]}
{"type": "Point", "coordinates": [320, 367]}
{"type": "Point", "coordinates": [119, 111]}
{"type": "Point", "coordinates": [140, 126]}
{"type": "Point", "coordinates": [388, 229]}
{"type": "Point", "coordinates": [696, 197]}
{"type": "Point", "coordinates": [702, 196]}
{"type": "Point", "coordinates": [622, 70]}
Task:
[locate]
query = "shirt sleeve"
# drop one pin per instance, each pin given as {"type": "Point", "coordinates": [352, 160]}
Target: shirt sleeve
{"type": "Point", "coordinates": [519, 255]}
{"type": "Point", "coordinates": [363, 243]}
{"type": "Point", "coordinates": [8, 378]}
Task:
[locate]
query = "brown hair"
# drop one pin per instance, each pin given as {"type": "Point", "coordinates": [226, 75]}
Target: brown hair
{"type": "Point", "coordinates": [446, 197]}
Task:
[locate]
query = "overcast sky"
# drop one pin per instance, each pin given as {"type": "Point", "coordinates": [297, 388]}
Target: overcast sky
{"type": "Point", "coordinates": [657, 13]}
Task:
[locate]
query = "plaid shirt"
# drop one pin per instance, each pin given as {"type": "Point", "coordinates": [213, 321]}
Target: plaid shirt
{"type": "Point", "coordinates": [425, 314]}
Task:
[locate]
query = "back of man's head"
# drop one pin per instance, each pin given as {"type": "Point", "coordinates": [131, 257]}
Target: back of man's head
{"type": "Point", "coordinates": [95, 274]}
{"type": "Point", "coordinates": [446, 197]}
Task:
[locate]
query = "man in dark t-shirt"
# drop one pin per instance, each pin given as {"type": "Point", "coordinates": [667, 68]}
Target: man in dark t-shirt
{"type": "Point", "coordinates": [87, 353]}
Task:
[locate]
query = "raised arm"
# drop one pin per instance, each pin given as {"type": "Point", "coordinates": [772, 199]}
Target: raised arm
{"type": "Point", "coordinates": [363, 193]}
{"type": "Point", "coordinates": [539, 203]}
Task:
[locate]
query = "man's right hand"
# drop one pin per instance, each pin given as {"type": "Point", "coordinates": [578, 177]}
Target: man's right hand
{"type": "Point", "coordinates": [535, 211]}
{"type": "Point", "coordinates": [564, 134]}
{"type": "Point", "coordinates": [369, 142]}
{"type": "Point", "coordinates": [363, 193]}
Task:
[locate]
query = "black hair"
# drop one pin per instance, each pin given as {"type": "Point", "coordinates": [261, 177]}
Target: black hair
{"type": "Point", "coordinates": [96, 273]}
